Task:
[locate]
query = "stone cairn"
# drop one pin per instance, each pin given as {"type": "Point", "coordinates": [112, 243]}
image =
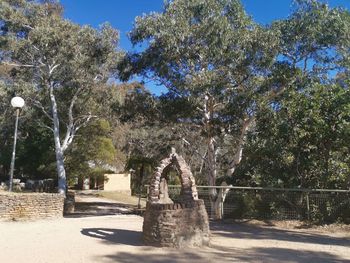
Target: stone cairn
{"type": "Point", "coordinates": [181, 224]}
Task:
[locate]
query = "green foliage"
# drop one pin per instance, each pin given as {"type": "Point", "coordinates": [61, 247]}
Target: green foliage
{"type": "Point", "coordinates": [291, 77]}
{"type": "Point", "coordinates": [303, 141]}
{"type": "Point", "coordinates": [315, 37]}
{"type": "Point", "coordinates": [63, 65]}
{"type": "Point", "coordinates": [92, 152]}
{"type": "Point", "coordinates": [141, 169]}
{"type": "Point", "coordinates": [197, 47]}
{"type": "Point", "coordinates": [212, 57]}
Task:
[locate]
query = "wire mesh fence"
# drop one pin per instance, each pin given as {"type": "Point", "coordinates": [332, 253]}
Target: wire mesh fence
{"type": "Point", "coordinates": [317, 205]}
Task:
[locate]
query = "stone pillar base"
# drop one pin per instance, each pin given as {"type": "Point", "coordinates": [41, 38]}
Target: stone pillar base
{"type": "Point", "coordinates": [69, 203]}
{"type": "Point", "coordinates": [176, 225]}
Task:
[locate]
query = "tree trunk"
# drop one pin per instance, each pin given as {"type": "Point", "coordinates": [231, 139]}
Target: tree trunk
{"type": "Point", "coordinates": [142, 171]}
{"type": "Point", "coordinates": [211, 156]}
{"type": "Point", "coordinates": [212, 173]}
{"type": "Point", "coordinates": [217, 206]}
{"type": "Point", "coordinates": [61, 172]}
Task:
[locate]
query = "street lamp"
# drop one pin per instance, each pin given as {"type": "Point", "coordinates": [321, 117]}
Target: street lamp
{"type": "Point", "coordinates": [17, 103]}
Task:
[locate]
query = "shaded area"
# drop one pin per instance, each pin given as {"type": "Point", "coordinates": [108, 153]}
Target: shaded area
{"type": "Point", "coordinates": [168, 257]}
{"type": "Point", "coordinates": [287, 255]}
{"type": "Point", "coordinates": [90, 204]}
{"type": "Point", "coordinates": [87, 209]}
{"type": "Point", "coordinates": [248, 231]}
{"type": "Point", "coordinates": [273, 255]}
{"type": "Point", "coordinates": [226, 251]}
{"type": "Point", "coordinates": [115, 236]}
{"type": "Point", "coordinates": [265, 243]}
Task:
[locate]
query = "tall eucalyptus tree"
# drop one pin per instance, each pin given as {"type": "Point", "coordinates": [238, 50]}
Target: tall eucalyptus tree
{"type": "Point", "coordinates": [214, 55]}
{"type": "Point", "coordinates": [63, 61]}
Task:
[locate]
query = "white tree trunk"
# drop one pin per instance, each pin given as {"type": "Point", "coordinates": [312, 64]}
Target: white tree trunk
{"type": "Point", "coordinates": [212, 173]}
{"type": "Point", "coordinates": [217, 198]}
{"type": "Point", "coordinates": [211, 153]}
{"type": "Point", "coordinates": [217, 206]}
{"type": "Point", "coordinates": [61, 172]}
{"type": "Point", "coordinates": [237, 158]}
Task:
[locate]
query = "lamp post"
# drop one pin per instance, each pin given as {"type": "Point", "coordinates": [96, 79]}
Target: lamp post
{"type": "Point", "coordinates": [17, 103]}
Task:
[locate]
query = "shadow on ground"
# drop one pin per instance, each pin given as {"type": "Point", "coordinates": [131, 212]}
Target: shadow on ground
{"type": "Point", "coordinates": [248, 231]}
{"type": "Point", "coordinates": [115, 236]}
{"type": "Point", "coordinates": [169, 256]}
{"type": "Point", "coordinates": [271, 255]}
{"type": "Point", "coordinates": [90, 204]}
{"type": "Point", "coordinates": [88, 209]}
{"type": "Point", "coordinates": [218, 253]}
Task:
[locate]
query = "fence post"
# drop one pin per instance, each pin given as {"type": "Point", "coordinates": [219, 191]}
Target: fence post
{"type": "Point", "coordinates": [222, 205]}
{"type": "Point", "coordinates": [308, 206]}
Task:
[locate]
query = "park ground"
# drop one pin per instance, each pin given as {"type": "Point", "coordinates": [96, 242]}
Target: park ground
{"type": "Point", "coordinates": [104, 230]}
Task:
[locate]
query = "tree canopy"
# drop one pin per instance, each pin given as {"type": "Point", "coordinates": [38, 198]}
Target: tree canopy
{"type": "Point", "coordinates": [223, 70]}
{"type": "Point", "coordinates": [63, 62]}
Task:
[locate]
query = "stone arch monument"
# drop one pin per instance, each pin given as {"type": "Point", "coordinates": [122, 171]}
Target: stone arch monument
{"type": "Point", "coordinates": [180, 224]}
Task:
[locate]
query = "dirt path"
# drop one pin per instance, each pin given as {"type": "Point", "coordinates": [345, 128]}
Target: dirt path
{"type": "Point", "coordinates": [116, 237]}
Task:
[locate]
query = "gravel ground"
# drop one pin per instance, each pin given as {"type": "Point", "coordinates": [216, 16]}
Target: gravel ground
{"type": "Point", "coordinates": [105, 233]}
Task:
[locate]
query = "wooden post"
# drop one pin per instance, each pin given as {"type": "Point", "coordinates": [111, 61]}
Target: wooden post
{"type": "Point", "coordinates": [308, 206]}
{"type": "Point", "coordinates": [222, 205]}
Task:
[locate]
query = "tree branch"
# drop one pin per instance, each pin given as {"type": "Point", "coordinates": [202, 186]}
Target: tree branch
{"type": "Point", "coordinates": [40, 106]}
{"type": "Point", "coordinates": [239, 151]}
{"type": "Point", "coordinates": [44, 126]}
{"type": "Point", "coordinates": [18, 65]}
{"type": "Point", "coordinates": [84, 122]}
{"type": "Point", "coordinates": [52, 68]}
{"type": "Point", "coordinates": [196, 151]}
{"type": "Point", "coordinates": [70, 126]}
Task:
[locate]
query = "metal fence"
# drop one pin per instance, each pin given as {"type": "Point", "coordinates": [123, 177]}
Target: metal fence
{"type": "Point", "coordinates": [317, 205]}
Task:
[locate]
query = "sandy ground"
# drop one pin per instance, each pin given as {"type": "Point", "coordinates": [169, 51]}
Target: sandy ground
{"type": "Point", "coordinates": [102, 232]}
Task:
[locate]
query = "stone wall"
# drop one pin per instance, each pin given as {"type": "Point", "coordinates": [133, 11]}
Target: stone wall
{"type": "Point", "coordinates": [176, 225]}
{"type": "Point", "coordinates": [30, 206]}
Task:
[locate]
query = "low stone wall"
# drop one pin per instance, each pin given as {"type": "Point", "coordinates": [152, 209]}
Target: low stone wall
{"type": "Point", "coordinates": [30, 206]}
{"type": "Point", "coordinates": [176, 225]}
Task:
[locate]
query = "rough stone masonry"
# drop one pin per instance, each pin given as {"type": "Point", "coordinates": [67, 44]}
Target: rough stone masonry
{"type": "Point", "coordinates": [169, 224]}
{"type": "Point", "coordinates": [30, 206]}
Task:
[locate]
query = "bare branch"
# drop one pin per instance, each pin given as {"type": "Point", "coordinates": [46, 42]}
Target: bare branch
{"type": "Point", "coordinates": [203, 161]}
{"type": "Point", "coordinates": [35, 47]}
{"type": "Point", "coordinates": [72, 129]}
{"type": "Point", "coordinates": [85, 122]}
{"type": "Point", "coordinates": [40, 106]}
{"type": "Point", "coordinates": [98, 77]}
{"type": "Point", "coordinates": [52, 68]}
{"type": "Point", "coordinates": [44, 126]}
{"type": "Point", "coordinates": [18, 65]}
{"type": "Point", "coordinates": [28, 27]}
{"type": "Point", "coordinates": [70, 132]}
{"type": "Point", "coordinates": [195, 150]}
{"type": "Point", "coordinates": [239, 150]}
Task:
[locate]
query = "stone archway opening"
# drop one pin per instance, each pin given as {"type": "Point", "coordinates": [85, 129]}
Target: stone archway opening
{"type": "Point", "coordinates": [175, 224]}
{"type": "Point", "coordinates": [159, 180]}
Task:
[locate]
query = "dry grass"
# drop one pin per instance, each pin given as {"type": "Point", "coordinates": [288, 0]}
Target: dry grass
{"type": "Point", "coordinates": [335, 228]}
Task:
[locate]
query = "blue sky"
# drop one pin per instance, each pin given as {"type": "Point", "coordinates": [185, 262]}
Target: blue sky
{"type": "Point", "coordinates": [121, 14]}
